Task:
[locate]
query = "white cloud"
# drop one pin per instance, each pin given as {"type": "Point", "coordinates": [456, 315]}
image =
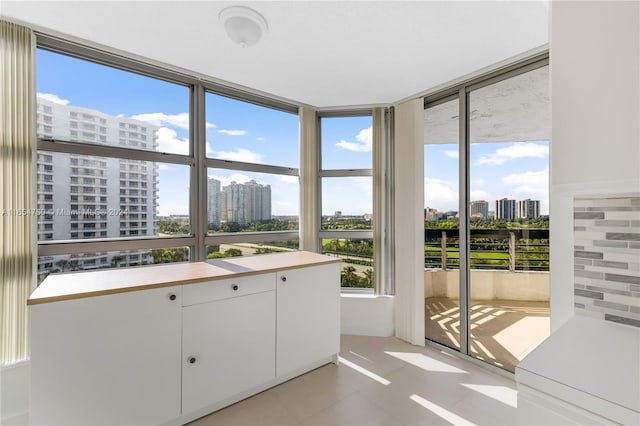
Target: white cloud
{"type": "Point", "coordinates": [233, 177]}
{"type": "Point", "coordinates": [53, 98]}
{"type": "Point", "coordinates": [209, 150]}
{"type": "Point", "coordinates": [240, 154]}
{"type": "Point", "coordinates": [513, 151]}
{"type": "Point", "coordinates": [233, 132]}
{"type": "Point", "coordinates": [440, 194]}
{"type": "Point", "coordinates": [451, 153]}
{"type": "Point", "coordinates": [534, 184]}
{"type": "Point", "coordinates": [260, 138]}
{"type": "Point", "coordinates": [481, 194]}
{"type": "Point", "coordinates": [364, 142]}
{"type": "Point", "coordinates": [168, 141]}
{"type": "Point", "coordinates": [530, 184]}
{"type": "Point", "coordinates": [161, 119]}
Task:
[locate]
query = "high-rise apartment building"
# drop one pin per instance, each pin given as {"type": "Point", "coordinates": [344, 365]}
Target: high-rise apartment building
{"type": "Point", "coordinates": [528, 209]}
{"type": "Point", "coordinates": [244, 203]}
{"type": "Point", "coordinates": [257, 201]}
{"type": "Point", "coordinates": [232, 204]}
{"type": "Point", "coordinates": [479, 209]}
{"type": "Point", "coordinates": [505, 209]}
{"type": "Point", "coordinates": [213, 202]}
{"type": "Point", "coordinates": [84, 197]}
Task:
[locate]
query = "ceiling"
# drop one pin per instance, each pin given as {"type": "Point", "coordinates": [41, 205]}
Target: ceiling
{"type": "Point", "coordinates": [320, 53]}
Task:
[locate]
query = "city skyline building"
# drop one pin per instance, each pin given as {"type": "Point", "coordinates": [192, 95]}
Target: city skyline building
{"type": "Point", "coordinates": [213, 202]}
{"type": "Point", "coordinates": [479, 209]}
{"type": "Point", "coordinates": [243, 203]}
{"type": "Point", "coordinates": [257, 201]}
{"type": "Point", "coordinates": [505, 209]}
{"type": "Point", "coordinates": [528, 209]}
{"type": "Point", "coordinates": [86, 197]}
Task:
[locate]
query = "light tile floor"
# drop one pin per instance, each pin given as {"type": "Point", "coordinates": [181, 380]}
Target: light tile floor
{"type": "Point", "coordinates": [381, 381]}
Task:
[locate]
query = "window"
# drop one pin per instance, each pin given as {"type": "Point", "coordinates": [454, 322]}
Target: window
{"type": "Point", "coordinates": [110, 259]}
{"type": "Point", "coordinates": [235, 249]}
{"type": "Point", "coordinates": [346, 142]}
{"type": "Point", "coordinates": [252, 179]}
{"type": "Point", "coordinates": [249, 133]}
{"type": "Point", "coordinates": [441, 221]}
{"type": "Point", "coordinates": [160, 107]}
{"type": "Point", "coordinates": [347, 203]}
{"type": "Point", "coordinates": [256, 202]}
{"type": "Point", "coordinates": [347, 196]}
{"type": "Point", "coordinates": [67, 87]}
{"type": "Point", "coordinates": [140, 187]}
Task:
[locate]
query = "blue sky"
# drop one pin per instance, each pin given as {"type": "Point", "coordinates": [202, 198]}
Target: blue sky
{"type": "Point", "coordinates": [235, 131]}
{"type": "Point", "coordinates": [515, 170]}
{"type": "Point", "coordinates": [242, 131]}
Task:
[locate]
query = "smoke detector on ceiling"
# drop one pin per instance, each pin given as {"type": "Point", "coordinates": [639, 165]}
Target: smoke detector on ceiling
{"type": "Point", "coordinates": [243, 25]}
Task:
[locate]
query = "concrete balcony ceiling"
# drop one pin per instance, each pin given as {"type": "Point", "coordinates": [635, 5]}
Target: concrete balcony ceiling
{"type": "Point", "coordinates": [514, 110]}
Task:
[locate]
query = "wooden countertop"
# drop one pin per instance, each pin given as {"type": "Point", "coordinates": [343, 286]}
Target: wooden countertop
{"type": "Point", "coordinates": [78, 285]}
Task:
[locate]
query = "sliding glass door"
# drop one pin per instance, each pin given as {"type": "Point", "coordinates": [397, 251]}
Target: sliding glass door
{"type": "Point", "coordinates": [441, 242]}
{"type": "Point", "coordinates": [486, 216]}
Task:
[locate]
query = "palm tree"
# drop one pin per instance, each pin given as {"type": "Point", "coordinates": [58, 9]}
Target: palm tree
{"type": "Point", "coordinates": [348, 277]}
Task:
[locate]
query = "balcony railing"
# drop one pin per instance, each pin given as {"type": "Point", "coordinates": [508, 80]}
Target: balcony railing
{"type": "Point", "coordinates": [496, 249]}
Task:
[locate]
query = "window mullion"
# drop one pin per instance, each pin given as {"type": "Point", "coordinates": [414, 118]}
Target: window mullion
{"type": "Point", "coordinates": [463, 207]}
{"type": "Point", "coordinates": [78, 148]}
{"type": "Point", "coordinates": [198, 193]}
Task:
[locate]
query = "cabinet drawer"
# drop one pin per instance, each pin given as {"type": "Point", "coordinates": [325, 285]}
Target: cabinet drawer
{"type": "Point", "coordinates": [210, 291]}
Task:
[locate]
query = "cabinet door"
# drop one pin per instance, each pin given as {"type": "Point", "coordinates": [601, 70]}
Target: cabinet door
{"type": "Point", "coordinates": [109, 360]}
{"type": "Point", "coordinates": [308, 317]}
{"type": "Point", "coordinates": [228, 347]}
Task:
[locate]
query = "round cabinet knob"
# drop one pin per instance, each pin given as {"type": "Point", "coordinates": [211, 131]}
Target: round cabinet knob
{"type": "Point", "coordinates": [235, 287]}
{"type": "Point", "coordinates": [192, 360]}
{"type": "Point", "coordinates": [283, 278]}
{"type": "Point", "coordinates": [172, 297]}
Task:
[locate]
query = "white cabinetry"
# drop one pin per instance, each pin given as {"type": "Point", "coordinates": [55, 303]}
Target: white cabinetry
{"type": "Point", "coordinates": [169, 344]}
{"type": "Point", "coordinates": [308, 317]}
{"type": "Point", "coordinates": [110, 360]}
{"type": "Point", "coordinates": [229, 329]}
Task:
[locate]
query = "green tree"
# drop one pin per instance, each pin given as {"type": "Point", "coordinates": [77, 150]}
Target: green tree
{"type": "Point", "coordinates": [348, 277]}
{"type": "Point", "coordinates": [368, 278]}
{"type": "Point", "coordinates": [170, 255]}
{"type": "Point", "coordinates": [233, 252]}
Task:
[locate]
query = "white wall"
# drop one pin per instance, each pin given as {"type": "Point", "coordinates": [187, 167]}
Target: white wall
{"type": "Point", "coordinates": [366, 315]}
{"type": "Point", "coordinates": [409, 225]}
{"type": "Point", "coordinates": [489, 285]}
{"type": "Point", "coordinates": [595, 94]}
